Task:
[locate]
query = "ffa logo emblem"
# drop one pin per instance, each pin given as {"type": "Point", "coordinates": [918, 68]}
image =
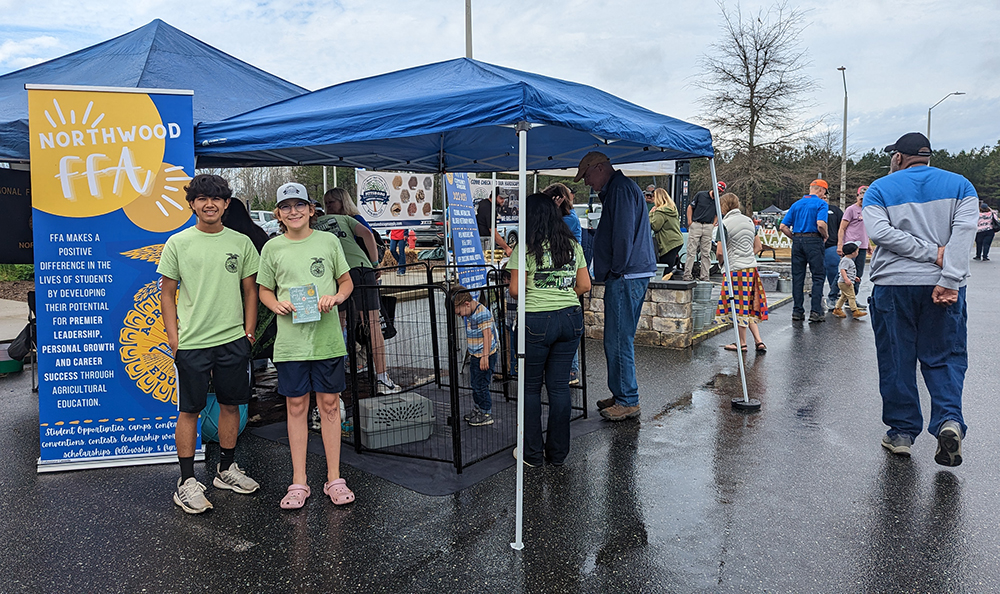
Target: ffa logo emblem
{"type": "Point", "coordinates": [317, 268]}
{"type": "Point", "coordinates": [373, 195]}
{"type": "Point", "coordinates": [231, 263]}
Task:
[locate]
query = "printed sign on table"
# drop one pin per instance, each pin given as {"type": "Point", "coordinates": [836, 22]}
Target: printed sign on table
{"type": "Point", "coordinates": [507, 206]}
{"type": "Point", "coordinates": [465, 232]}
{"type": "Point", "coordinates": [395, 200]}
{"type": "Point", "coordinates": [108, 170]}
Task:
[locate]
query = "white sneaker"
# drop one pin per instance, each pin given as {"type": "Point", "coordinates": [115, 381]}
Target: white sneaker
{"type": "Point", "coordinates": [234, 479]}
{"type": "Point", "coordinates": [387, 386]}
{"type": "Point", "coordinates": [190, 496]}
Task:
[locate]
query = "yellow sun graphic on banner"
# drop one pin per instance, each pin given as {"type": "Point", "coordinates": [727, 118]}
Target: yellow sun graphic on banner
{"type": "Point", "coordinates": [164, 208]}
{"type": "Point", "coordinates": [145, 351]}
{"type": "Point", "coordinates": [92, 153]}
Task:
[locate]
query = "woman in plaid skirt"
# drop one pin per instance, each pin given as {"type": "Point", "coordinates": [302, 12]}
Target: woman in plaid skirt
{"type": "Point", "coordinates": [742, 243]}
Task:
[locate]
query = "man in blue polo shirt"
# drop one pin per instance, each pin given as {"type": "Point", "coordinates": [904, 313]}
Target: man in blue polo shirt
{"type": "Point", "coordinates": [805, 223]}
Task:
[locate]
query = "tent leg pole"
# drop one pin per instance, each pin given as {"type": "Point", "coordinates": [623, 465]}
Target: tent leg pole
{"type": "Point", "coordinates": [522, 178]}
{"type": "Point", "coordinates": [727, 278]}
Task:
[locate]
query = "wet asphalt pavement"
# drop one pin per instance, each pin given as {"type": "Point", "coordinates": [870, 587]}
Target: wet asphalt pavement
{"type": "Point", "coordinates": [799, 497]}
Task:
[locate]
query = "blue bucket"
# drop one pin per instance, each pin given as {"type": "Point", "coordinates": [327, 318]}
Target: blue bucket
{"type": "Point", "coordinates": [210, 419]}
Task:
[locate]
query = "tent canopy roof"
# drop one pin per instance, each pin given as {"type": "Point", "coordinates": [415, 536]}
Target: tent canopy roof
{"type": "Point", "coordinates": [153, 56]}
{"type": "Point", "coordinates": [457, 115]}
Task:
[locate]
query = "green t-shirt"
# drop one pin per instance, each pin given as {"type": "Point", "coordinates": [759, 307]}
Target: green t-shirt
{"type": "Point", "coordinates": [209, 268]}
{"type": "Point", "coordinates": [547, 288]}
{"type": "Point", "coordinates": [317, 259]}
{"type": "Point", "coordinates": [343, 227]}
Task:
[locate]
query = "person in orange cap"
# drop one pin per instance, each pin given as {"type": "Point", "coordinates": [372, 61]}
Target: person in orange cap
{"type": "Point", "coordinates": [805, 224]}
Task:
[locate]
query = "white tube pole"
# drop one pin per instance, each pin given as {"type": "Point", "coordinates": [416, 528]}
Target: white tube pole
{"type": "Point", "coordinates": [324, 180]}
{"type": "Point", "coordinates": [728, 278]}
{"type": "Point", "coordinates": [522, 179]}
{"type": "Point", "coordinates": [493, 217]}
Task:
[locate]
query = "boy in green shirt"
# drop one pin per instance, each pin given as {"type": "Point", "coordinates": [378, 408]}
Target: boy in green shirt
{"type": "Point", "coordinates": [210, 332]}
{"type": "Point", "coordinates": [303, 271]}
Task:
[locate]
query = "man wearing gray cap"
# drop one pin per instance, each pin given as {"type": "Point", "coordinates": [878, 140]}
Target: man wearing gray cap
{"type": "Point", "coordinates": [923, 221]}
{"type": "Point", "coordinates": [624, 261]}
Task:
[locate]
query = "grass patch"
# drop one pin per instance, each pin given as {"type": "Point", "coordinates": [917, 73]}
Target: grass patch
{"type": "Point", "coordinates": [17, 272]}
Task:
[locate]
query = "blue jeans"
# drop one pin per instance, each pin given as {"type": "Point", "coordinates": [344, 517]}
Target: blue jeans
{"type": "Point", "coordinates": [807, 250]}
{"type": "Point", "coordinates": [397, 247]}
{"type": "Point", "coordinates": [832, 264]}
{"type": "Point", "coordinates": [909, 327]}
{"type": "Point", "coordinates": [622, 305]}
{"type": "Point", "coordinates": [480, 381]}
{"type": "Point", "coordinates": [550, 340]}
{"type": "Point", "coordinates": [513, 352]}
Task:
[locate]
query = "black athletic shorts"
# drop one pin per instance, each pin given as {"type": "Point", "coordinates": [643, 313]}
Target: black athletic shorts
{"type": "Point", "coordinates": [365, 298]}
{"type": "Point", "coordinates": [298, 378]}
{"type": "Point", "coordinates": [226, 366]}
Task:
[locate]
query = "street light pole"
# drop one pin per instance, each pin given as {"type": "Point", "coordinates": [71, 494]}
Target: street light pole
{"type": "Point", "coordinates": [932, 107]}
{"type": "Point", "coordinates": [843, 148]}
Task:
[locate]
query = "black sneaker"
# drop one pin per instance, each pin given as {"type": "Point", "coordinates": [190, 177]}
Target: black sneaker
{"type": "Point", "coordinates": [898, 444]}
{"type": "Point", "coordinates": [480, 418]}
{"type": "Point", "coordinates": [816, 317]}
{"type": "Point", "coordinates": [949, 450]}
{"type": "Point", "coordinates": [798, 317]}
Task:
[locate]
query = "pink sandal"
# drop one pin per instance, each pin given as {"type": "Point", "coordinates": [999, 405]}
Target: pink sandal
{"type": "Point", "coordinates": [296, 497]}
{"type": "Point", "coordinates": [338, 492]}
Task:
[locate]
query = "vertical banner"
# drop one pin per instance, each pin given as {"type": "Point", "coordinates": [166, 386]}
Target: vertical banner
{"type": "Point", "coordinates": [15, 200]}
{"type": "Point", "coordinates": [395, 200]}
{"type": "Point", "coordinates": [464, 231]}
{"type": "Point", "coordinates": [108, 170]}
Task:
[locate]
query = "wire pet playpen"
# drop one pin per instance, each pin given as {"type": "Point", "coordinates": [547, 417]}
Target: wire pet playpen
{"type": "Point", "coordinates": [423, 350]}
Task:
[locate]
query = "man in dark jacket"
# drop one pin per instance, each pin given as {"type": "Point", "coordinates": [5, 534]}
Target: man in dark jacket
{"type": "Point", "coordinates": [624, 260]}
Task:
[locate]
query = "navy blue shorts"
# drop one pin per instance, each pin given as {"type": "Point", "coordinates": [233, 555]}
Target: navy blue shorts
{"type": "Point", "coordinates": [298, 378]}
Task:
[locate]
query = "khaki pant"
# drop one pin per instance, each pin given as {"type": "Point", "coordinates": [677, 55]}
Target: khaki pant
{"type": "Point", "coordinates": [699, 244]}
{"type": "Point", "coordinates": [846, 294]}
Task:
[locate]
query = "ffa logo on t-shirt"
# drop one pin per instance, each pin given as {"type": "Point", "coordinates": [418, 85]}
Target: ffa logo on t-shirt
{"type": "Point", "coordinates": [317, 269]}
{"type": "Point", "coordinates": [231, 262]}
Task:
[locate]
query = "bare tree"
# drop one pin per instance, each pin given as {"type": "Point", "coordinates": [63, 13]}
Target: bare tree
{"type": "Point", "coordinates": [756, 89]}
{"type": "Point", "coordinates": [256, 185]}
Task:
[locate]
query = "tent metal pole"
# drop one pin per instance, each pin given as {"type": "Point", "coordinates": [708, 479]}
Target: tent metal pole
{"type": "Point", "coordinates": [728, 279]}
{"type": "Point", "coordinates": [522, 180]}
{"type": "Point", "coordinates": [493, 216]}
{"type": "Point", "coordinates": [324, 180]}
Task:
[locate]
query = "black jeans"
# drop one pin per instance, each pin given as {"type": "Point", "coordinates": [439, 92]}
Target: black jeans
{"type": "Point", "coordinates": [807, 250]}
{"type": "Point", "coordinates": [983, 241]}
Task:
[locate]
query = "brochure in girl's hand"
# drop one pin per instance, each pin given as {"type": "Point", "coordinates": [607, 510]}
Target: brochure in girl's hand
{"type": "Point", "coordinates": [306, 302]}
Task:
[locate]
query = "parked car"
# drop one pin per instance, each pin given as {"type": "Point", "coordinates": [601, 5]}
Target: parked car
{"type": "Point", "coordinates": [433, 234]}
{"type": "Point", "coordinates": [588, 220]}
{"type": "Point", "coordinates": [261, 216]}
{"type": "Point", "coordinates": [271, 228]}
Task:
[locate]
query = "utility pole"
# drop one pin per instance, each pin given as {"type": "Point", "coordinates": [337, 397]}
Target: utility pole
{"type": "Point", "coordinates": [843, 148]}
{"type": "Point", "coordinates": [468, 29]}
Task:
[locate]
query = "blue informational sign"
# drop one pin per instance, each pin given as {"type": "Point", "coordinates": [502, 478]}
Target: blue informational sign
{"type": "Point", "coordinates": [108, 175]}
{"type": "Point", "coordinates": [465, 232]}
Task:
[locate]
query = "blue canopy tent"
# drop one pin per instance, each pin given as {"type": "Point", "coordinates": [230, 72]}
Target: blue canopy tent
{"type": "Point", "coordinates": [155, 56]}
{"type": "Point", "coordinates": [456, 116]}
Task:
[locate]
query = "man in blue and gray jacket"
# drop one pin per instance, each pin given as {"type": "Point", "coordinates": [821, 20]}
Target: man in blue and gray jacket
{"type": "Point", "coordinates": [624, 260]}
{"type": "Point", "coordinates": [922, 221]}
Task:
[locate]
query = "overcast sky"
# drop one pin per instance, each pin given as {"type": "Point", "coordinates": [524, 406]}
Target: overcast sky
{"type": "Point", "coordinates": [901, 58]}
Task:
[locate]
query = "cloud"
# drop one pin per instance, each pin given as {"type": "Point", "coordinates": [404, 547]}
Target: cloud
{"type": "Point", "coordinates": [19, 54]}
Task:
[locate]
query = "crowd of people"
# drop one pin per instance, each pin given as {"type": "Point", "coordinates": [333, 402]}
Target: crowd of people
{"type": "Point", "coordinates": [918, 224]}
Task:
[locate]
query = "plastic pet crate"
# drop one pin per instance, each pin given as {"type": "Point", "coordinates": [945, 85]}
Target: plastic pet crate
{"type": "Point", "coordinates": [395, 419]}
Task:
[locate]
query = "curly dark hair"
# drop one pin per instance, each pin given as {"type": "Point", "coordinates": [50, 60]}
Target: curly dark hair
{"type": "Point", "coordinates": [547, 232]}
{"type": "Point", "coordinates": [208, 185]}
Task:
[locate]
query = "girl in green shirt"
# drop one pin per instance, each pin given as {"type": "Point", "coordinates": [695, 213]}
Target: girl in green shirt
{"type": "Point", "coordinates": [555, 276]}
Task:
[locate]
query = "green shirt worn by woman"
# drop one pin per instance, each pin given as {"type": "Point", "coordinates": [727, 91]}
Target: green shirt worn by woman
{"type": "Point", "coordinates": [343, 227]}
{"type": "Point", "coordinates": [317, 259]}
{"type": "Point", "coordinates": [548, 288]}
{"type": "Point", "coordinates": [666, 227]}
{"type": "Point", "coordinates": [209, 268]}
